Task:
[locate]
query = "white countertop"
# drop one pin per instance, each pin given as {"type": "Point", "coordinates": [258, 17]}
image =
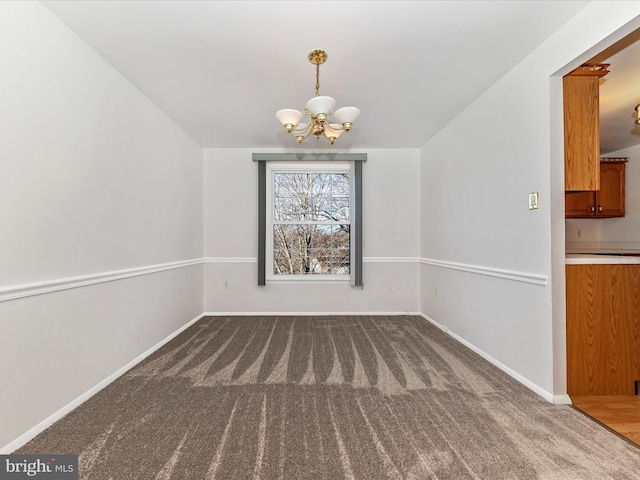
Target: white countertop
{"type": "Point", "coordinates": [586, 250]}
{"type": "Point", "coordinates": [587, 258]}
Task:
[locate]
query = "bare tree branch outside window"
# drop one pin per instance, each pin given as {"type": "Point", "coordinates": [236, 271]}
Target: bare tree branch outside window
{"type": "Point", "coordinates": [311, 224]}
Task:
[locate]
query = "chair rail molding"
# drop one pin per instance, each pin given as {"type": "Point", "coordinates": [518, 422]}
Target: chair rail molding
{"type": "Point", "coordinates": [365, 259]}
{"type": "Point", "coordinates": [14, 292]}
{"type": "Point", "coordinates": [526, 277]}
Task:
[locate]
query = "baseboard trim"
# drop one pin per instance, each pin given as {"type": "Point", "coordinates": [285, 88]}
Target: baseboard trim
{"type": "Point", "coordinates": [562, 400]}
{"type": "Point", "coordinates": [512, 373]}
{"type": "Point", "coordinates": [46, 423]}
{"type": "Point", "coordinates": [526, 277]}
{"type": "Point", "coordinates": [14, 292]}
{"type": "Point", "coordinates": [303, 314]}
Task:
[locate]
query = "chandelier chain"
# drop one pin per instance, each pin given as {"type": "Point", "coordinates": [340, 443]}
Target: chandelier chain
{"type": "Point", "coordinates": [317, 79]}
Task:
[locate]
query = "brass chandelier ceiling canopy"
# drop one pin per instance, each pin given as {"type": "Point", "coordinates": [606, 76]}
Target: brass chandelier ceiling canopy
{"type": "Point", "coordinates": [318, 57]}
{"type": "Point", "coordinates": [318, 112]}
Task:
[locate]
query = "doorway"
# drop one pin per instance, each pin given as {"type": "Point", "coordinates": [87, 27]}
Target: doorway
{"type": "Point", "coordinates": [603, 242]}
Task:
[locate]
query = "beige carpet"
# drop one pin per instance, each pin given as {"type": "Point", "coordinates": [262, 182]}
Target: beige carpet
{"type": "Point", "coordinates": [355, 397]}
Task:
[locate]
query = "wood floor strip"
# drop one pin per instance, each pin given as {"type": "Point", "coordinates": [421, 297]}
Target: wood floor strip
{"type": "Point", "coordinates": [621, 414]}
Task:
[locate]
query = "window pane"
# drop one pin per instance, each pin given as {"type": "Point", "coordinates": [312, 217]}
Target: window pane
{"type": "Point", "coordinates": [309, 248]}
{"type": "Point", "coordinates": [340, 185]}
{"type": "Point", "coordinates": [322, 236]}
{"type": "Point", "coordinates": [303, 197]}
{"type": "Point", "coordinates": [342, 264]}
{"type": "Point", "coordinates": [285, 184]}
{"type": "Point", "coordinates": [315, 209]}
{"type": "Point", "coordinates": [318, 184]}
{"type": "Point", "coordinates": [342, 237]}
{"type": "Point", "coordinates": [292, 236]}
{"type": "Point", "coordinates": [284, 209]}
{"type": "Point", "coordinates": [340, 209]}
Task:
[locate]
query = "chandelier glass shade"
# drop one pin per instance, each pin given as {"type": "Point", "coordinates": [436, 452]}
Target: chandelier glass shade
{"type": "Point", "coordinates": [322, 120]}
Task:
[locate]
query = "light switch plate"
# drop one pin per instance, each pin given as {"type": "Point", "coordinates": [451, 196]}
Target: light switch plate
{"type": "Point", "coordinates": [533, 200]}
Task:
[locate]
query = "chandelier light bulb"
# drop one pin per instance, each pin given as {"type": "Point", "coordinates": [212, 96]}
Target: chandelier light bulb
{"type": "Point", "coordinates": [321, 106]}
{"type": "Point", "coordinates": [332, 132]}
{"type": "Point", "coordinates": [289, 118]}
{"type": "Point", "coordinates": [346, 116]}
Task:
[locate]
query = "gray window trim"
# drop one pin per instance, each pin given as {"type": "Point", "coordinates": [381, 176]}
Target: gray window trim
{"type": "Point", "coordinates": [357, 158]}
{"type": "Point", "coordinates": [262, 221]}
{"type": "Point", "coordinates": [356, 277]}
{"type": "Point", "coordinates": [309, 157]}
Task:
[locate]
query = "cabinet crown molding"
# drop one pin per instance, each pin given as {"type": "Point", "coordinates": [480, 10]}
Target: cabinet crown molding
{"type": "Point", "coordinates": [614, 159]}
{"type": "Point", "coordinates": [590, 70]}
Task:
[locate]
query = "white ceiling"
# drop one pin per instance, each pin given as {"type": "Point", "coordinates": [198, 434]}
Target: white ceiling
{"type": "Point", "coordinates": [619, 94]}
{"type": "Point", "coordinates": [221, 69]}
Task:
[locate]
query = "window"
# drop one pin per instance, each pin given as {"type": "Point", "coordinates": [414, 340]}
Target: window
{"type": "Point", "coordinates": [310, 216]}
{"type": "Point", "coordinates": [309, 221]}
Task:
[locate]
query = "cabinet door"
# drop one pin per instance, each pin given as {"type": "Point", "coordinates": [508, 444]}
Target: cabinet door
{"type": "Point", "coordinates": [579, 204]}
{"type": "Point", "coordinates": [610, 198]}
{"type": "Point", "coordinates": [603, 329]}
{"type": "Point", "coordinates": [581, 133]}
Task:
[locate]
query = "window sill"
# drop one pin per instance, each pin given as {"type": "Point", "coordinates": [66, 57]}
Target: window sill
{"type": "Point", "coordinates": [300, 280]}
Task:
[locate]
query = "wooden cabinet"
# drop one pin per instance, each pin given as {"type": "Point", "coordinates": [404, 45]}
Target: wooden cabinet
{"type": "Point", "coordinates": [604, 203]}
{"type": "Point", "coordinates": [581, 102]}
{"type": "Point", "coordinates": [603, 329]}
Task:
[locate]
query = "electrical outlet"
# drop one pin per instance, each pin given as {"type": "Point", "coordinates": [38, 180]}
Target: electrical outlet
{"type": "Point", "coordinates": [226, 284]}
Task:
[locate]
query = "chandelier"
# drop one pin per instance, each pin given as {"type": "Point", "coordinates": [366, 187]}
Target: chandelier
{"type": "Point", "coordinates": [318, 111]}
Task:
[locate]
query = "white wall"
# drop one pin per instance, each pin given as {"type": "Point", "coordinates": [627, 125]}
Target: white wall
{"type": "Point", "coordinates": [390, 240]}
{"type": "Point", "coordinates": [613, 232]}
{"type": "Point", "coordinates": [99, 190]}
{"type": "Point", "coordinates": [486, 252]}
